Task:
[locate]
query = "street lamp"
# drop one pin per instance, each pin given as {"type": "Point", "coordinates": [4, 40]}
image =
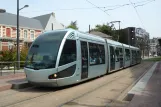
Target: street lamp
{"type": "Point", "coordinates": [119, 27]}
{"type": "Point", "coordinates": [24, 7]}
{"type": "Point", "coordinates": [18, 50]}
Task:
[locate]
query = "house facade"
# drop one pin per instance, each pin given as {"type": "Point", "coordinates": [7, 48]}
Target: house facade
{"type": "Point", "coordinates": [29, 30]}
{"type": "Point", "coordinates": [49, 22]}
{"type": "Point", "coordinates": [8, 36]}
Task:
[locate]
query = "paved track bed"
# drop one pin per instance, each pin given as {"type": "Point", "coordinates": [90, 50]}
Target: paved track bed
{"type": "Point", "coordinates": [98, 92]}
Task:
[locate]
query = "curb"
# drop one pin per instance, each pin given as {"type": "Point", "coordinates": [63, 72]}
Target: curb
{"type": "Point", "coordinates": [21, 85]}
{"type": "Point", "coordinates": [18, 84]}
{"type": "Point", "coordinates": [140, 83]}
{"type": "Point", "coordinates": [125, 96]}
{"type": "Point", "coordinates": [6, 87]}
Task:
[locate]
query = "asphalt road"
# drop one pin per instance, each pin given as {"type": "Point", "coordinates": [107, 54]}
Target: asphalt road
{"type": "Point", "coordinates": [104, 91]}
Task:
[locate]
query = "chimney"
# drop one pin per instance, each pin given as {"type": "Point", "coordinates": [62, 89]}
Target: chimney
{"type": "Point", "coordinates": [53, 14]}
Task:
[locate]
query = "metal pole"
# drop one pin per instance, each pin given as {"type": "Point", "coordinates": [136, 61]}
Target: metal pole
{"type": "Point", "coordinates": [14, 67]}
{"type": "Point", "coordinates": [89, 28]}
{"type": "Point", "coordinates": [52, 26]}
{"type": "Point", "coordinates": [1, 67]}
{"type": "Point", "coordinates": [119, 32]}
{"type": "Point", "coordinates": [18, 51]}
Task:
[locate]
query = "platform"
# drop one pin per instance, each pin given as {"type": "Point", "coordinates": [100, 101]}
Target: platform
{"type": "Point", "coordinates": [146, 93]}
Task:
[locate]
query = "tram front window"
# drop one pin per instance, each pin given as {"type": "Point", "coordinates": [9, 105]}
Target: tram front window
{"type": "Point", "coordinates": [44, 50]}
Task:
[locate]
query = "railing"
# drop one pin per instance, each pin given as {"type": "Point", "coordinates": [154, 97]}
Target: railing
{"type": "Point", "coordinates": [9, 67]}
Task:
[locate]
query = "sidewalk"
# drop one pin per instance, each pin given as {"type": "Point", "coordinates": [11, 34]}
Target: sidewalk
{"type": "Point", "coordinates": [6, 81]}
{"type": "Point", "coordinates": [150, 96]}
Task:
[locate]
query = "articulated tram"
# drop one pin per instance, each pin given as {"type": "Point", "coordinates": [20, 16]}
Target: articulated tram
{"type": "Point", "coordinates": [64, 57]}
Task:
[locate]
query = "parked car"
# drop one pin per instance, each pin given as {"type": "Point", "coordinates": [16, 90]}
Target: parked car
{"type": "Point", "coordinates": [155, 55]}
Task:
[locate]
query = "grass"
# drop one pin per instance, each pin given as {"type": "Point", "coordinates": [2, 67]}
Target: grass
{"type": "Point", "coordinates": [154, 59]}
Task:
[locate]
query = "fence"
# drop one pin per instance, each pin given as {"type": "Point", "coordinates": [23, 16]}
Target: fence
{"type": "Point", "coordinates": [9, 67]}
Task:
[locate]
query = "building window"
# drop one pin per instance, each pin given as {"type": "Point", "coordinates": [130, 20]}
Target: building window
{"type": "Point", "coordinates": [8, 32]}
{"type": "Point", "coordinates": [97, 54]}
{"type": "Point", "coordinates": [32, 34]}
{"type": "Point", "coordinates": [10, 45]}
{"type": "Point", "coordinates": [69, 52]}
{"type": "Point", "coordinates": [25, 34]}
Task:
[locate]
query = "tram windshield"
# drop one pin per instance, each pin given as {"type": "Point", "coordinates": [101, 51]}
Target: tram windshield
{"type": "Point", "coordinates": [44, 50]}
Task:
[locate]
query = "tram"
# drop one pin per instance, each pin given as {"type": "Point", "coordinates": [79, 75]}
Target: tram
{"type": "Point", "coordinates": [65, 57]}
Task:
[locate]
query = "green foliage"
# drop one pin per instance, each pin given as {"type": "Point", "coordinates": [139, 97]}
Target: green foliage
{"type": "Point", "coordinates": [106, 30]}
{"type": "Point", "coordinates": [154, 59]}
{"type": "Point", "coordinates": [73, 25]}
{"type": "Point", "coordinates": [10, 55]}
{"type": "Point", "coordinates": [24, 52]}
{"type": "Point", "coordinates": [7, 55]}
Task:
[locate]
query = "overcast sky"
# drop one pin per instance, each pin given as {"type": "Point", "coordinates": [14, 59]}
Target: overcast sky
{"type": "Point", "coordinates": [85, 13]}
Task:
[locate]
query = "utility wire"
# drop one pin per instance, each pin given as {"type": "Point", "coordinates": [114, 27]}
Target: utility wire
{"type": "Point", "coordinates": [137, 13]}
{"type": "Point", "coordinates": [96, 6]}
{"type": "Point", "coordinates": [144, 3]}
{"type": "Point", "coordinates": [65, 9]}
{"type": "Point", "coordinates": [137, 4]}
{"type": "Point", "coordinates": [117, 7]}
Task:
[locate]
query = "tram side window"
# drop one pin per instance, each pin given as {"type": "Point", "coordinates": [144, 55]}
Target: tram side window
{"type": "Point", "coordinates": [117, 55]}
{"type": "Point", "coordinates": [127, 54]}
{"type": "Point", "coordinates": [102, 54]}
{"type": "Point", "coordinates": [97, 54]}
{"type": "Point", "coordinates": [132, 52]}
{"type": "Point", "coordinates": [139, 54]}
{"type": "Point", "coordinates": [121, 54]}
{"type": "Point", "coordinates": [69, 52]}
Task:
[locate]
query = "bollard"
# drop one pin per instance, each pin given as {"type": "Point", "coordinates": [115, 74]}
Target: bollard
{"type": "Point", "coordinates": [14, 67]}
{"type": "Point", "coordinates": [1, 69]}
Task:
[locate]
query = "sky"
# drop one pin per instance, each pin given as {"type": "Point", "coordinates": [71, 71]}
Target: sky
{"type": "Point", "coordinates": [147, 16]}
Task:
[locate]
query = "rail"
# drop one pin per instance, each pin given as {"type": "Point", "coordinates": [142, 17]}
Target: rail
{"type": "Point", "coordinates": [9, 67]}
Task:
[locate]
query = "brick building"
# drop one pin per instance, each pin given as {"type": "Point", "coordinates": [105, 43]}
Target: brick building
{"type": "Point", "coordinates": [30, 28]}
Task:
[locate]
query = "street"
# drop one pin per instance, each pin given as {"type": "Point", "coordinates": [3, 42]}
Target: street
{"type": "Point", "coordinates": [108, 90]}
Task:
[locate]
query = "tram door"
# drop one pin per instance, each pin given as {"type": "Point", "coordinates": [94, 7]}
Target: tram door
{"type": "Point", "coordinates": [84, 55]}
{"type": "Point", "coordinates": [112, 58]}
{"type": "Point", "coordinates": [121, 57]}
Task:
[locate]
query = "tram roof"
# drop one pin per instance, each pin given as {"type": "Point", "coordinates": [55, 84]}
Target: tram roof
{"type": "Point", "coordinates": [113, 42]}
{"type": "Point", "coordinates": [132, 47]}
{"type": "Point", "coordinates": [96, 37]}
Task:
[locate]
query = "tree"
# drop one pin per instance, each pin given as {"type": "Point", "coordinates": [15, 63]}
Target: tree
{"type": "Point", "coordinates": [106, 30]}
{"type": "Point", "coordinates": [24, 52]}
{"type": "Point", "coordinates": [73, 25]}
{"type": "Point", "coordinates": [9, 56]}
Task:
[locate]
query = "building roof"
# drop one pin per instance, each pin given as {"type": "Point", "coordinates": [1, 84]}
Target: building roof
{"type": "Point", "coordinates": [101, 34]}
{"type": "Point", "coordinates": [43, 19]}
{"type": "Point", "coordinates": [11, 19]}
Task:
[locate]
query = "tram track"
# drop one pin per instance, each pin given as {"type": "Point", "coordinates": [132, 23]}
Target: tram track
{"type": "Point", "coordinates": [103, 86]}
{"type": "Point", "coordinates": [74, 98]}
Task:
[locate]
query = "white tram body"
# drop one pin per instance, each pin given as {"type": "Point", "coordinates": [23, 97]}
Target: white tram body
{"type": "Point", "coordinates": [65, 57]}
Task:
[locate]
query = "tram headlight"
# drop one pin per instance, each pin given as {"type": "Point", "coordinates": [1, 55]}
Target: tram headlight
{"type": "Point", "coordinates": [64, 73]}
{"type": "Point", "coordinates": [55, 75]}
